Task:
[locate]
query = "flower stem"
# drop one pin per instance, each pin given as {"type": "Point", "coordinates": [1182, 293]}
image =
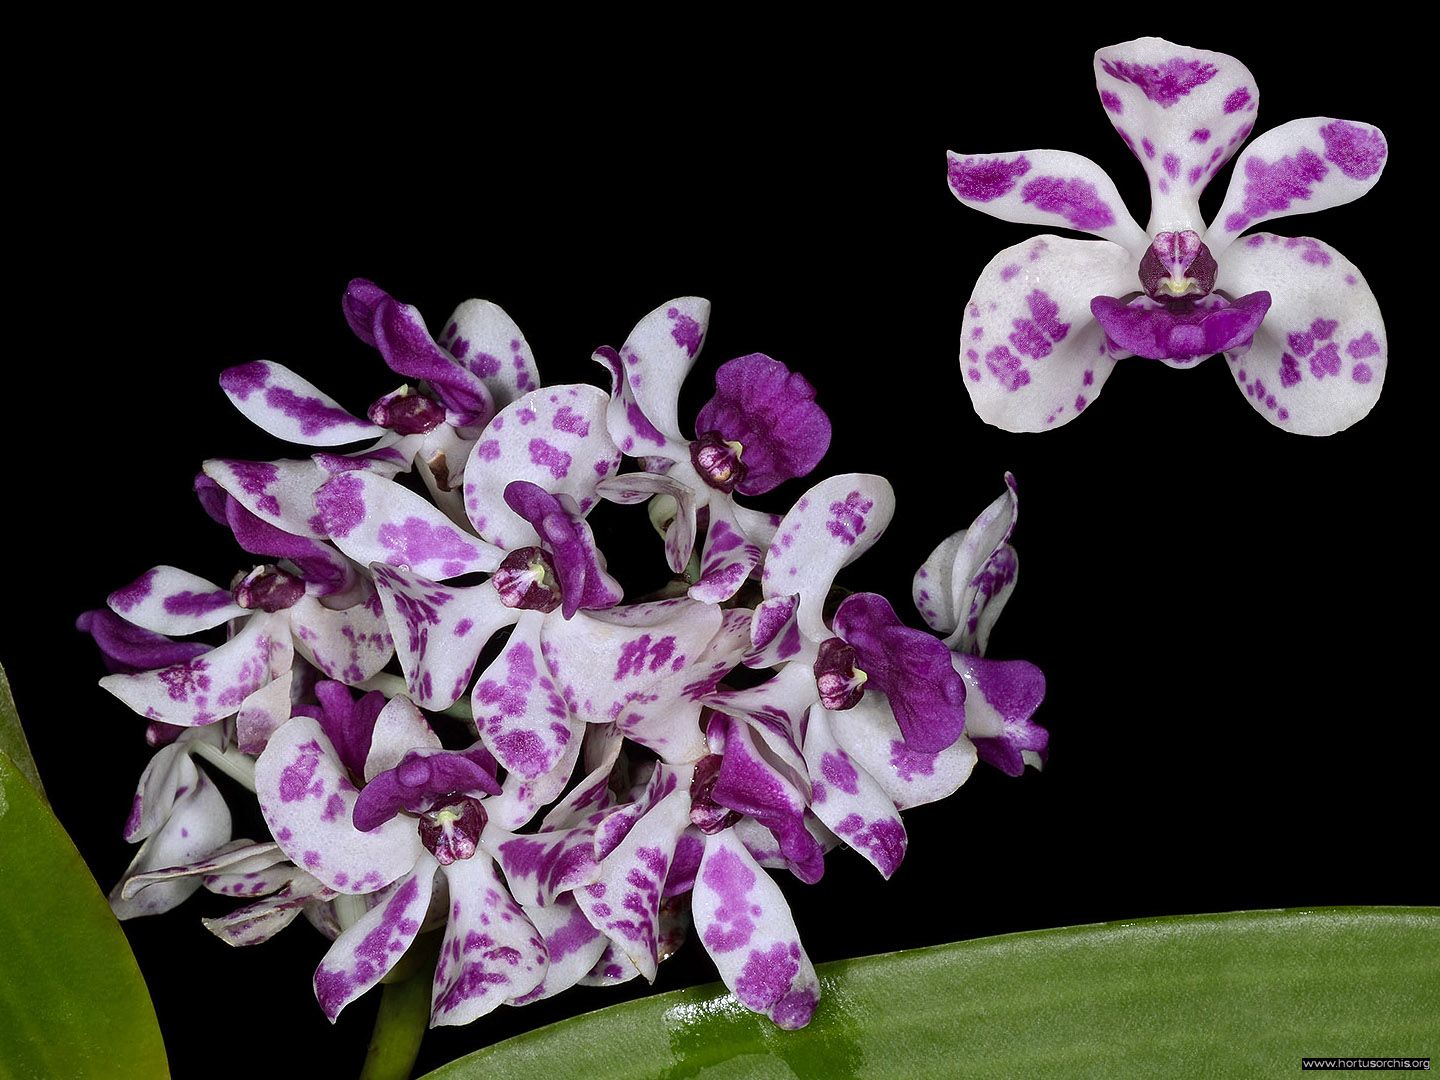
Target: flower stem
{"type": "Point", "coordinates": [239, 767]}
{"type": "Point", "coordinates": [399, 1027]}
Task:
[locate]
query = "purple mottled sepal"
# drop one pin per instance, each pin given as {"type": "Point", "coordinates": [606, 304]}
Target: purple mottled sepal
{"type": "Point", "coordinates": [647, 373]}
{"type": "Point", "coordinates": [578, 564]}
{"type": "Point", "coordinates": [871, 737]}
{"type": "Point", "coordinates": [909, 667]}
{"type": "Point", "coordinates": [283, 404]}
{"type": "Point", "coordinates": [258, 922]}
{"type": "Point", "coordinates": [728, 558]}
{"type": "Point", "coordinates": [484, 339]}
{"type": "Point", "coordinates": [964, 584]}
{"type": "Point", "coordinates": [170, 601]}
{"type": "Point", "coordinates": [848, 800]}
{"type": "Point", "coordinates": [771, 414]}
{"type": "Point", "coordinates": [1001, 701]}
{"type": "Point", "coordinates": [1180, 332]}
{"type": "Point", "coordinates": [574, 946]}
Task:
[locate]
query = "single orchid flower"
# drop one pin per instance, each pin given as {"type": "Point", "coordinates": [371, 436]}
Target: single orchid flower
{"type": "Point", "coordinates": [1049, 317]}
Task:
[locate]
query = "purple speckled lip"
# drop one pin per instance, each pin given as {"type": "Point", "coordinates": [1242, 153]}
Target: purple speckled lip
{"type": "Point", "coordinates": [1179, 330]}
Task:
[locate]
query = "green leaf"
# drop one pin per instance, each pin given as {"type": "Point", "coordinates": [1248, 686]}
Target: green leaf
{"type": "Point", "coordinates": [12, 737]}
{"type": "Point", "coordinates": [1243, 994]}
{"type": "Point", "coordinates": [72, 1002]}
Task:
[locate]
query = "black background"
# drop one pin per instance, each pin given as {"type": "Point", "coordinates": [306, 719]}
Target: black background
{"type": "Point", "coordinates": [1232, 619]}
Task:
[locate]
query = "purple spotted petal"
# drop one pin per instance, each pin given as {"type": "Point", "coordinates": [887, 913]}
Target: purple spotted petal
{"type": "Point", "coordinates": [422, 779]}
{"type": "Point", "coordinates": [519, 712]}
{"type": "Point", "coordinates": [126, 648]}
{"type": "Point", "coordinates": [160, 785]}
{"type": "Point", "coordinates": [521, 796]}
{"type": "Point", "coordinates": [573, 944]}
{"type": "Point", "coordinates": [1182, 112]}
{"type": "Point", "coordinates": [372, 519]}
{"type": "Point", "coordinates": [849, 801]}
{"type": "Point", "coordinates": [279, 493]}
{"type": "Point", "coordinates": [490, 954]}
{"type": "Point", "coordinates": [965, 583]}
{"type": "Point", "coordinates": [258, 922]}
{"type": "Point", "coordinates": [565, 535]}
{"type": "Point", "coordinates": [1317, 364]}
{"type": "Point", "coordinates": [612, 969]}
{"type": "Point", "coordinates": [555, 438]}
{"type": "Point", "coordinates": [197, 822]}
{"type": "Point", "coordinates": [753, 783]}
{"type": "Point", "coordinates": [1180, 333]}
{"type": "Point", "coordinates": [350, 644]}
{"type": "Point", "coordinates": [399, 332]}
{"type": "Point", "coordinates": [171, 601]}
{"type": "Point", "coordinates": [541, 867]}
{"type": "Point", "coordinates": [1003, 696]}
{"type": "Point", "coordinates": [283, 404]}
{"type": "Point", "coordinates": [831, 525]}
{"type": "Point", "coordinates": [624, 900]}
{"type": "Point", "coordinates": [647, 372]}
{"type": "Point", "coordinates": [262, 713]}
{"type": "Point", "coordinates": [1297, 168]}
{"type": "Point", "coordinates": [592, 794]}
{"type": "Point", "coordinates": [1054, 188]}
{"type": "Point", "coordinates": [326, 571]}
{"type": "Point", "coordinates": [438, 631]}
{"type": "Point", "coordinates": [872, 738]}
{"type": "Point", "coordinates": [728, 557]}
{"type": "Point", "coordinates": [775, 635]}
{"type": "Point", "coordinates": [771, 412]}
{"type": "Point", "coordinates": [636, 487]}
{"type": "Point", "coordinates": [1032, 354]}
{"type": "Point", "coordinates": [486, 341]}
{"type": "Point", "coordinates": [210, 686]}
{"type": "Point", "coordinates": [308, 801]}
{"type": "Point", "coordinates": [909, 667]}
{"type": "Point", "coordinates": [776, 708]}
{"type": "Point", "coordinates": [746, 927]}
{"type": "Point", "coordinates": [400, 728]}
{"type": "Point", "coordinates": [391, 454]}
{"type": "Point", "coordinates": [263, 871]}
{"type": "Point", "coordinates": [234, 858]}
{"type": "Point", "coordinates": [364, 953]}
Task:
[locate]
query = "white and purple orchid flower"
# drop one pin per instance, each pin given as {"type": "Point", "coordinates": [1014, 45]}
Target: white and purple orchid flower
{"type": "Point", "coordinates": [1049, 317]}
{"type": "Point", "coordinates": [601, 783]}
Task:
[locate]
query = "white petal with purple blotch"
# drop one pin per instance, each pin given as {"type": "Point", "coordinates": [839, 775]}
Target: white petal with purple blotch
{"type": "Point", "coordinates": [372, 519]}
{"type": "Point", "coordinates": [656, 357]}
{"type": "Point", "coordinates": [728, 557]}
{"type": "Point", "coordinates": [540, 867]}
{"type": "Point", "coordinates": [602, 746]}
{"type": "Point", "coordinates": [1182, 112]}
{"type": "Point", "coordinates": [831, 525]}
{"type": "Point", "coordinates": [388, 455]}
{"type": "Point", "coordinates": [265, 710]}
{"type": "Point", "coordinates": [624, 900]}
{"type": "Point", "coordinates": [167, 776]}
{"type": "Point", "coordinates": [1032, 354]}
{"type": "Point", "coordinates": [283, 404]}
{"type": "Point", "coordinates": [636, 487]}
{"type": "Point", "coordinates": [775, 708]}
{"type": "Point", "coordinates": [747, 929]}
{"type": "Point", "coordinates": [491, 952]}
{"type": "Point", "coordinates": [399, 728]}
{"type": "Point", "coordinates": [233, 858]}
{"type": "Point", "coordinates": [1297, 168]}
{"type": "Point", "coordinates": [438, 631]}
{"type": "Point", "coordinates": [1319, 359]}
{"type": "Point", "coordinates": [521, 796]}
{"type": "Point", "coordinates": [870, 735]}
{"type": "Point", "coordinates": [211, 686]}
{"type": "Point", "coordinates": [849, 801]}
{"type": "Point", "coordinates": [574, 946]}
{"type": "Point", "coordinates": [758, 526]}
{"type": "Point", "coordinates": [308, 801]}
{"type": "Point", "coordinates": [524, 721]}
{"type": "Point", "coordinates": [554, 438]}
{"type": "Point", "coordinates": [612, 969]}
{"type": "Point", "coordinates": [775, 636]}
{"type": "Point", "coordinates": [170, 601]}
{"type": "Point", "coordinates": [260, 921]}
{"type": "Point", "coordinates": [198, 823]}
{"type": "Point", "coordinates": [1054, 188]}
{"type": "Point", "coordinates": [280, 493]}
{"type": "Point", "coordinates": [364, 953]}
{"type": "Point", "coordinates": [486, 340]}
{"type": "Point", "coordinates": [350, 644]}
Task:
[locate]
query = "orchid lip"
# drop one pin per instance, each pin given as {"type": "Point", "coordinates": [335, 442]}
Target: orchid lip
{"type": "Point", "coordinates": [407, 412]}
{"type": "Point", "coordinates": [451, 831]}
{"type": "Point", "coordinates": [840, 682]}
{"type": "Point", "coordinates": [527, 579]}
{"type": "Point", "coordinates": [1177, 266]}
{"type": "Point", "coordinates": [717, 460]}
{"type": "Point", "coordinates": [268, 588]}
{"type": "Point", "coordinates": [705, 813]}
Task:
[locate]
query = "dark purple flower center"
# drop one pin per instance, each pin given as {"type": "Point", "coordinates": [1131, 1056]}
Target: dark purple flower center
{"type": "Point", "coordinates": [1177, 267]}
{"type": "Point", "coordinates": [705, 813]}
{"type": "Point", "coordinates": [527, 579]}
{"type": "Point", "coordinates": [841, 683]}
{"type": "Point", "coordinates": [452, 830]}
{"type": "Point", "coordinates": [717, 460]}
{"type": "Point", "coordinates": [268, 588]}
{"type": "Point", "coordinates": [1182, 330]}
{"type": "Point", "coordinates": [407, 412]}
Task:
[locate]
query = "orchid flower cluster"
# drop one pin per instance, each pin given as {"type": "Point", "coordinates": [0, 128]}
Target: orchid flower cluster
{"type": "Point", "coordinates": [560, 781]}
{"type": "Point", "coordinates": [1049, 317]}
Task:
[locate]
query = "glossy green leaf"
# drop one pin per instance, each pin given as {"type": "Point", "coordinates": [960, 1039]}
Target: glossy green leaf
{"type": "Point", "coordinates": [1244, 994]}
{"type": "Point", "coordinates": [12, 737]}
{"type": "Point", "coordinates": [72, 1003]}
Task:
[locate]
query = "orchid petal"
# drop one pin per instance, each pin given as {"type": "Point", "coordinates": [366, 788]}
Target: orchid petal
{"type": "Point", "coordinates": [611, 827]}
{"type": "Point", "coordinates": [283, 404]}
{"type": "Point", "coordinates": [308, 801]}
{"type": "Point", "coordinates": [280, 493]}
{"type": "Point", "coordinates": [1002, 696]}
{"type": "Point", "coordinates": [776, 708]}
{"type": "Point", "coordinates": [574, 946]}
{"type": "Point", "coordinates": [210, 687]}
{"type": "Point", "coordinates": [438, 631]}
{"type": "Point", "coordinates": [730, 643]}
{"type": "Point", "coordinates": [556, 438]}
{"type": "Point", "coordinates": [728, 558]}
{"type": "Point", "coordinates": [1297, 168]}
{"type": "Point", "coordinates": [326, 571]}
{"type": "Point", "coordinates": [519, 713]}
{"type": "Point", "coordinates": [602, 746]}
{"type": "Point", "coordinates": [233, 858]}
{"type": "Point", "coordinates": [390, 455]}
{"type": "Point", "coordinates": [366, 952]}
{"type": "Point", "coordinates": [849, 801]}
{"type": "Point", "coordinates": [612, 969]}
{"type": "Point", "coordinates": [1054, 188]}
{"type": "Point", "coordinates": [198, 823]}
{"type": "Point", "coordinates": [442, 456]}
{"type": "Point", "coordinates": [522, 796]}
{"type": "Point", "coordinates": [267, 708]}
{"type": "Point", "coordinates": [758, 526]}
{"type": "Point", "coordinates": [1032, 353]}
{"type": "Point", "coordinates": [260, 921]}
{"type": "Point", "coordinates": [541, 867]}
{"type": "Point", "coordinates": [870, 735]}
{"type": "Point", "coordinates": [654, 361]}
{"type": "Point", "coordinates": [170, 601]}
{"type": "Point", "coordinates": [350, 644]}
{"type": "Point", "coordinates": [372, 519]}
{"type": "Point", "coordinates": [747, 929]}
{"type": "Point", "coordinates": [400, 727]}
{"type": "Point", "coordinates": [636, 487]}
{"type": "Point", "coordinates": [1183, 112]}
{"type": "Point", "coordinates": [624, 900]}
{"type": "Point", "coordinates": [1319, 359]}
{"type": "Point", "coordinates": [486, 340]}
{"type": "Point", "coordinates": [832, 525]}
{"type": "Point", "coordinates": [775, 635]}
{"type": "Point", "coordinates": [167, 776]}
